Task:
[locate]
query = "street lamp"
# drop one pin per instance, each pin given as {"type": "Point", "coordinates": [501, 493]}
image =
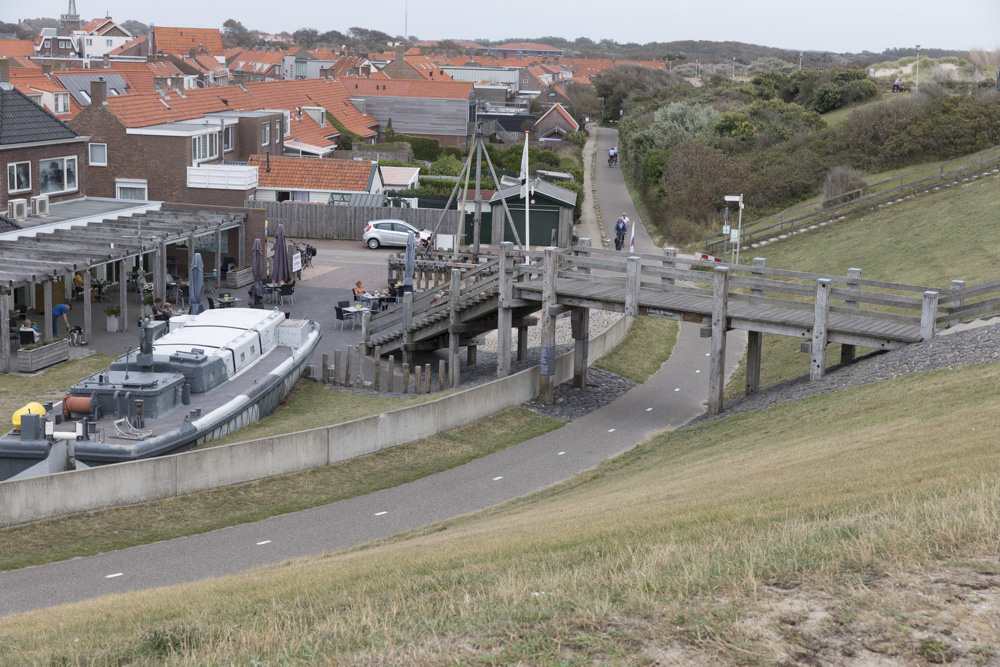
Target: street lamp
{"type": "Point", "coordinates": [918, 68]}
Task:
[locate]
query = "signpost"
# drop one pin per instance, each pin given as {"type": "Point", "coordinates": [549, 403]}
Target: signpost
{"type": "Point", "coordinates": [735, 234]}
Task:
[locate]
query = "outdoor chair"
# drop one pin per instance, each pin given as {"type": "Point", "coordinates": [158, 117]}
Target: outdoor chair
{"type": "Point", "coordinates": [26, 338]}
{"type": "Point", "coordinates": [183, 294]}
{"type": "Point", "coordinates": [286, 292]}
{"type": "Point", "coordinates": [211, 303]}
{"type": "Point", "coordinates": [344, 314]}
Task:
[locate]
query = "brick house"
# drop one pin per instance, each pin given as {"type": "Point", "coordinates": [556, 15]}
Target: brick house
{"type": "Point", "coordinates": [555, 124]}
{"type": "Point", "coordinates": [42, 158]}
{"type": "Point", "coordinates": [304, 179]}
{"type": "Point", "coordinates": [170, 149]}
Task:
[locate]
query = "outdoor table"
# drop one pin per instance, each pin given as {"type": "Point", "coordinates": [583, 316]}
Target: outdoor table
{"type": "Point", "coordinates": [229, 302]}
{"type": "Point", "coordinates": [270, 289]}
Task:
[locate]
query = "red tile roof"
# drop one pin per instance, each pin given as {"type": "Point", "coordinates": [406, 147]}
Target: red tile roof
{"type": "Point", "coordinates": [128, 45]}
{"type": "Point", "coordinates": [426, 68]}
{"type": "Point", "coordinates": [442, 90]}
{"type": "Point", "coordinates": [325, 93]}
{"type": "Point", "coordinates": [181, 40]}
{"type": "Point", "coordinates": [306, 173]}
{"type": "Point", "coordinates": [16, 47]}
{"type": "Point", "coordinates": [558, 110]}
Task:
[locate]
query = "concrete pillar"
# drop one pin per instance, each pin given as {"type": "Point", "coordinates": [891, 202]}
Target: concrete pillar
{"type": "Point", "coordinates": [819, 335]}
{"type": "Point", "coordinates": [717, 356]}
{"type": "Point", "coordinates": [47, 309]}
{"type": "Point", "coordinates": [4, 332]}
{"type": "Point", "coordinates": [548, 343]}
{"type": "Point", "coordinates": [88, 306]}
{"type": "Point", "coordinates": [160, 271]}
{"type": "Point", "coordinates": [847, 352]}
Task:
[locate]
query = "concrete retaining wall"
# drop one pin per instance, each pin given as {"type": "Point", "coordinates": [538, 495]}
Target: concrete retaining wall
{"type": "Point", "coordinates": [26, 500]}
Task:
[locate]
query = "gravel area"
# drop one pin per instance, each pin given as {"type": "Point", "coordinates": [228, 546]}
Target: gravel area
{"type": "Point", "coordinates": [570, 403]}
{"type": "Point", "coordinates": [968, 348]}
{"type": "Point", "coordinates": [600, 321]}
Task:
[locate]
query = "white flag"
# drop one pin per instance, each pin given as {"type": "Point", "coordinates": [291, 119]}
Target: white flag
{"type": "Point", "coordinates": [524, 168]}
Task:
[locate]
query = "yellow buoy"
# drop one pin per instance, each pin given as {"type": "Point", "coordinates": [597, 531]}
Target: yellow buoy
{"type": "Point", "coordinates": [29, 409]}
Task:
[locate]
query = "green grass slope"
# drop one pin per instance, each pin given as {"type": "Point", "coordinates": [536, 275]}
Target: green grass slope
{"type": "Point", "coordinates": [859, 524]}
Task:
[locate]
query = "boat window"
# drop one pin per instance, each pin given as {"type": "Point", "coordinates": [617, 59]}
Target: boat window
{"type": "Point", "coordinates": [243, 356]}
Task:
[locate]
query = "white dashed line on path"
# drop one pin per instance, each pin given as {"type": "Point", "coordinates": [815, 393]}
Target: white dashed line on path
{"type": "Point", "coordinates": [117, 574]}
{"type": "Point", "coordinates": [697, 371]}
{"type": "Point", "coordinates": [497, 479]}
{"type": "Point", "coordinates": [649, 409]}
{"type": "Point", "coordinates": [678, 389]}
{"type": "Point", "coordinates": [380, 513]}
{"type": "Point", "coordinates": [264, 542]}
{"type": "Point", "coordinates": [611, 430]}
{"type": "Point", "coordinates": [560, 453]}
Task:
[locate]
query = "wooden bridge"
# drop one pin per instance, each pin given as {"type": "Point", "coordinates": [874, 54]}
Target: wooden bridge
{"type": "Point", "coordinates": [502, 291]}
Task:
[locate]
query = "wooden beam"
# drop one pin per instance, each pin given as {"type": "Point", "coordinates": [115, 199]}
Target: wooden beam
{"type": "Point", "coordinates": [819, 333]}
{"type": "Point", "coordinates": [581, 346]}
{"type": "Point", "coordinates": [632, 284]}
{"type": "Point", "coordinates": [847, 352]}
{"type": "Point", "coordinates": [548, 343]}
{"type": "Point", "coordinates": [504, 311]}
{"type": "Point", "coordinates": [928, 315]}
{"type": "Point", "coordinates": [717, 355]}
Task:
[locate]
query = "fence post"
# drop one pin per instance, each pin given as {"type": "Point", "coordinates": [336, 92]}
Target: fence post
{"type": "Point", "coordinates": [417, 385]}
{"type": "Point", "coordinates": [819, 336]}
{"type": "Point", "coordinates": [441, 372]}
{"type": "Point", "coordinates": [847, 352]}
{"type": "Point", "coordinates": [427, 378]}
{"type": "Point", "coordinates": [407, 320]}
{"type": "Point", "coordinates": [755, 339]}
{"type": "Point", "coordinates": [406, 378]}
{"type": "Point", "coordinates": [632, 283]}
{"type": "Point", "coordinates": [378, 368]}
{"type": "Point", "coordinates": [347, 368]}
{"type": "Point", "coordinates": [717, 359]}
{"type": "Point", "coordinates": [453, 337]}
{"type": "Point", "coordinates": [548, 342]}
{"type": "Point", "coordinates": [360, 382]}
{"type": "Point", "coordinates": [928, 313]}
{"type": "Point", "coordinates": [956, 300]}
{"type": "Point", "coordinates": [392, 374]}
{"type": "Point", "coordinates": [504, 311]}
{"type": "Point", "coordinates": [670, 263]}
{"type": "Point", "coordinates": [337, 366]}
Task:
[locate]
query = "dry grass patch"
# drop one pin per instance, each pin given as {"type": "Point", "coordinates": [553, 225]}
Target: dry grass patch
{"type": "Point", "coordinates": [646, 347]}
{"type": "Point", "coordinates": [762, 538]}
{"type": "Point", "coordinates": [50, 385]}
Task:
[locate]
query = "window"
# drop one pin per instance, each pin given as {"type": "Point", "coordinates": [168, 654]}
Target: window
{"type": "Point", "coordinates": [288, 123]}
{"type": "Point", "coordinates": [58, 175]}
{"type": "Point", "coordinates": [48, 43]}
{"type": "Point", "coordinates": [204, 147]}
{"type": "Point", "coordinates": [18, 176]}
{"type": "Point", "coordinates": [131, 188]}
{"type": "Point", "coordinates": [278, 134]}
{"type": "Point", "coordinates": [90, 42]}
{"type": "Point", "coordinates": [98, 155]}
{"type": "Point", "coordinates": [61, 103]}
{"type": "Point", "coordinates": [227, 138]}
{"type": "Point", "coordinates": [265, 134]}
{"type": "Point", "coordinates": [108, 42]}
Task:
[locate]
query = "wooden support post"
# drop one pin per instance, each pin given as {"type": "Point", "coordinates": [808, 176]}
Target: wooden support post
{"type": "Point", "coordinates": [470, 353]}
{"type": "Point", "coordinates": [338, 367]}
{"type": "Point", "coordinates": [366, 327]}
{"type": "Point", "coordinates": [669, 262]}
{"type": "Point", "coordinates": [585, 243]}
{"type": "Point", "coordinates": [347, 367]}
{"type": "Point", "coordinates": [580, 322]}
{"type": "Point", "coordinates": [392, 374]}
{"type": "Point", "coordinates": [847, 352]}
{"type": "Point", "coordinates": [504, 312]}
{"type": "Point", "coordinates": [378, 368]}
{"type": "Point", "coordinates": [632, 281]}
{"type": "Point", "coordinates": [548, 343]}
{"type": "Point", "coordinates": [522, 343]}
{"type": "Point", "coordinates": [455, 290]}
{"type": "Point", "coordinates": [406, 378]}
{"type": "Point", "coordinates": [160, 271]}
{"type": "Point", "coordinates": [241, 245]}
{"type": "Point", "coordinates": [928, 313]}
{"type": "Point", "coordinates": [47, 305]}
{"type": "Point", "coordinates": [324, 374]}
{"type": "Point", "coordinates": [407, 320]}
{"type": "Point", "coordinates": [360, 381]}
{"type": "Point", "coordinates": [88, 306]}
{"type": "Point", "coordinates": [717, 358]}
{"type": "Point", "coordinates": [441, 374]}
{"type": "Point", "coordinates": [4, 332]}
{"type": "Point", "coordinates": [819, 335]}
{"type": "Point", "coordinates": [427, 378]}
{"type": "Point", "coordinates": [956, 300]}
{"type": "Point", "coordinates": [755, 348]}
{"type": "Point", "coordinates": [416, 379]}
{"type": "Point", "coordinates": [123, 296]}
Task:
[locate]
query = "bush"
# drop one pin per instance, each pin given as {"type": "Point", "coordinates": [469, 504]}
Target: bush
{"type": "Point", "coordinates": [825, 98]}
{"type": "Point", "coordinates": [424, 148]}
{"type": "Point", "coordinates": [697, 177]}
{"type": "Point", "coordinates": [446, 165]}
{"type": "Point", "coordinates": [843, 184]}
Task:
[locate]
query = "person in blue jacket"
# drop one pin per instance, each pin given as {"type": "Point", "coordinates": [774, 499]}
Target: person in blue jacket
{"type": "Point", "coordinates": [57, 312]}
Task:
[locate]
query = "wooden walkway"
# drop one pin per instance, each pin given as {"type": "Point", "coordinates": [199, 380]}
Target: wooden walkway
{"type": "Point", "coordinates": [500, 291]}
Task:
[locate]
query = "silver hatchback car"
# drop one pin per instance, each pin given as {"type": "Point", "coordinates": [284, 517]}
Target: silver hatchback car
{"type": "Point", "coordinates": [391, 232]}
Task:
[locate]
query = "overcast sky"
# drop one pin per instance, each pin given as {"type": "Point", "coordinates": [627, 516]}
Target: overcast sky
{"type": "Point", "coordinates": [831, 25]}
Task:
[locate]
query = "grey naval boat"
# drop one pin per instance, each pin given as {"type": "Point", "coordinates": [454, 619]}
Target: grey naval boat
{"type": "Point", "coordinates": [193, 378]}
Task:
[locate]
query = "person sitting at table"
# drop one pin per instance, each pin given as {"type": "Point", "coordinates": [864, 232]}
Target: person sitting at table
{"type": "Point", "coordinates": [360, 293]}
{"type": "Point", "coordinates": [27, 326]}
{"type": "Point", "coordinates": [161, 311]}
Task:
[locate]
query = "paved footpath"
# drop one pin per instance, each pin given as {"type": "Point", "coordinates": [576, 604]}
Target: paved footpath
{"type": "Point", "coordinates": [670, 398]}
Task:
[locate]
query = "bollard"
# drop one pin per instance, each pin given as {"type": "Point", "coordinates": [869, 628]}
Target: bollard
{"type": "Point", "coordinates": [338, 366]}
{"type": "Point", "coordinates": [392, 374]}
{"type": "Point", "coordinates": [416, 379]}
{"type": "Point", "coordinates": [441, 369]}
{"type": "Point", "coordinates": [427, 378]}
{"type": "Point", "coordinates": [406, 378]}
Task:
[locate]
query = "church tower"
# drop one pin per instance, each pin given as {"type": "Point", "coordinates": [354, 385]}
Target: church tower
{"type": "Point", "coordinates": [69, 21]}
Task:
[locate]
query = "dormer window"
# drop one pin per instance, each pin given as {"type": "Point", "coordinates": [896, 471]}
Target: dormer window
{"type": "Point", "coordinates": [265, 133]}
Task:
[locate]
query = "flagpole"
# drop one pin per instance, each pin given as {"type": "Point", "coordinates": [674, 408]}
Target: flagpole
{"type": "Point", "coordinates": [527, 196]}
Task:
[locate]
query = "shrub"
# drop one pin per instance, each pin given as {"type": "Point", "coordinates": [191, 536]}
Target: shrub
{"type": "Point", "coordinates": [446, 165]}
{"type": "Point", "coordinates": [842, 184]}
{"type": "Point", "coordinates": [578, 138]}
{"type": "Point", "coordinates": [424, 148]}
{"type": "Point", "coordinates": [825, 98]}
{"type": "Point", "coordinates": [697, 177]}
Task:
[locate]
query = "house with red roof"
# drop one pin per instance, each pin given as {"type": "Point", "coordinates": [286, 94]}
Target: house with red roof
{"type": "Point", "coordinates": [414, 67]}
{"type": "Point", "coordinates": [302, 179]}
{"type": "Point", "coordinates": [555, 124]}
{"type": "Point", "coordinates": [443, 110]}
{"type": "Point", "coordinates": [101, 36]}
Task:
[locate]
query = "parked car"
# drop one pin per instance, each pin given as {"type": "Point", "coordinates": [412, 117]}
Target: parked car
{"type": "Point", "coordinates": [391, 232]}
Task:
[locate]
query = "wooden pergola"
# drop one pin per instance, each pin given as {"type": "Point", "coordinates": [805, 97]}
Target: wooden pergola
{"type": "Point", "coordinates": [29, 257]}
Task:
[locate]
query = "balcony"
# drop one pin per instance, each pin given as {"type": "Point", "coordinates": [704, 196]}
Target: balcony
{"type": "Point", "coordinates": [222, 177]}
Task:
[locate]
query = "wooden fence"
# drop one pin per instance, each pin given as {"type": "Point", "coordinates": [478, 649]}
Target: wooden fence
{"type": "Point", "coordinates": [324, 221]}
{"type": "Point", "coordinates": [870, 196]}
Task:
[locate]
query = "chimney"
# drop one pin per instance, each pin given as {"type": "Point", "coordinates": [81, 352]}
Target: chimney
{"type": "Point", "coordinates": [106, 61]}
{"type": "Point", "coordinates": [46, 69]}
{"type": "Point", "coordinates": [192, 52]}
{"type": "Point", "coordinates": [160, 84]}
{"type": "Point", "coordinates": [98, 91]}
{"type": "Point", "coordinates": [177, 82]}
{"type": "Point", "coordinates": [4, 70]}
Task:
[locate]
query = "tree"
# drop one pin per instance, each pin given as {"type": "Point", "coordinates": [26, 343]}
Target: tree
{"type": "Point", "coordinates": [306, 37]}
{"type": "Point", "coordinates": [135, 27]}
{"type": "Point", "coordinates": [236, 34]}
{"type": "Point", "coordinates": [583, 100]}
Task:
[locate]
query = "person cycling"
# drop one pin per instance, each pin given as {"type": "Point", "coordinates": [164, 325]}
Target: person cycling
{"type": "Point", "coordinates": [613, 156]}
{"type": "Point", "coordinates": [621, 229]}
